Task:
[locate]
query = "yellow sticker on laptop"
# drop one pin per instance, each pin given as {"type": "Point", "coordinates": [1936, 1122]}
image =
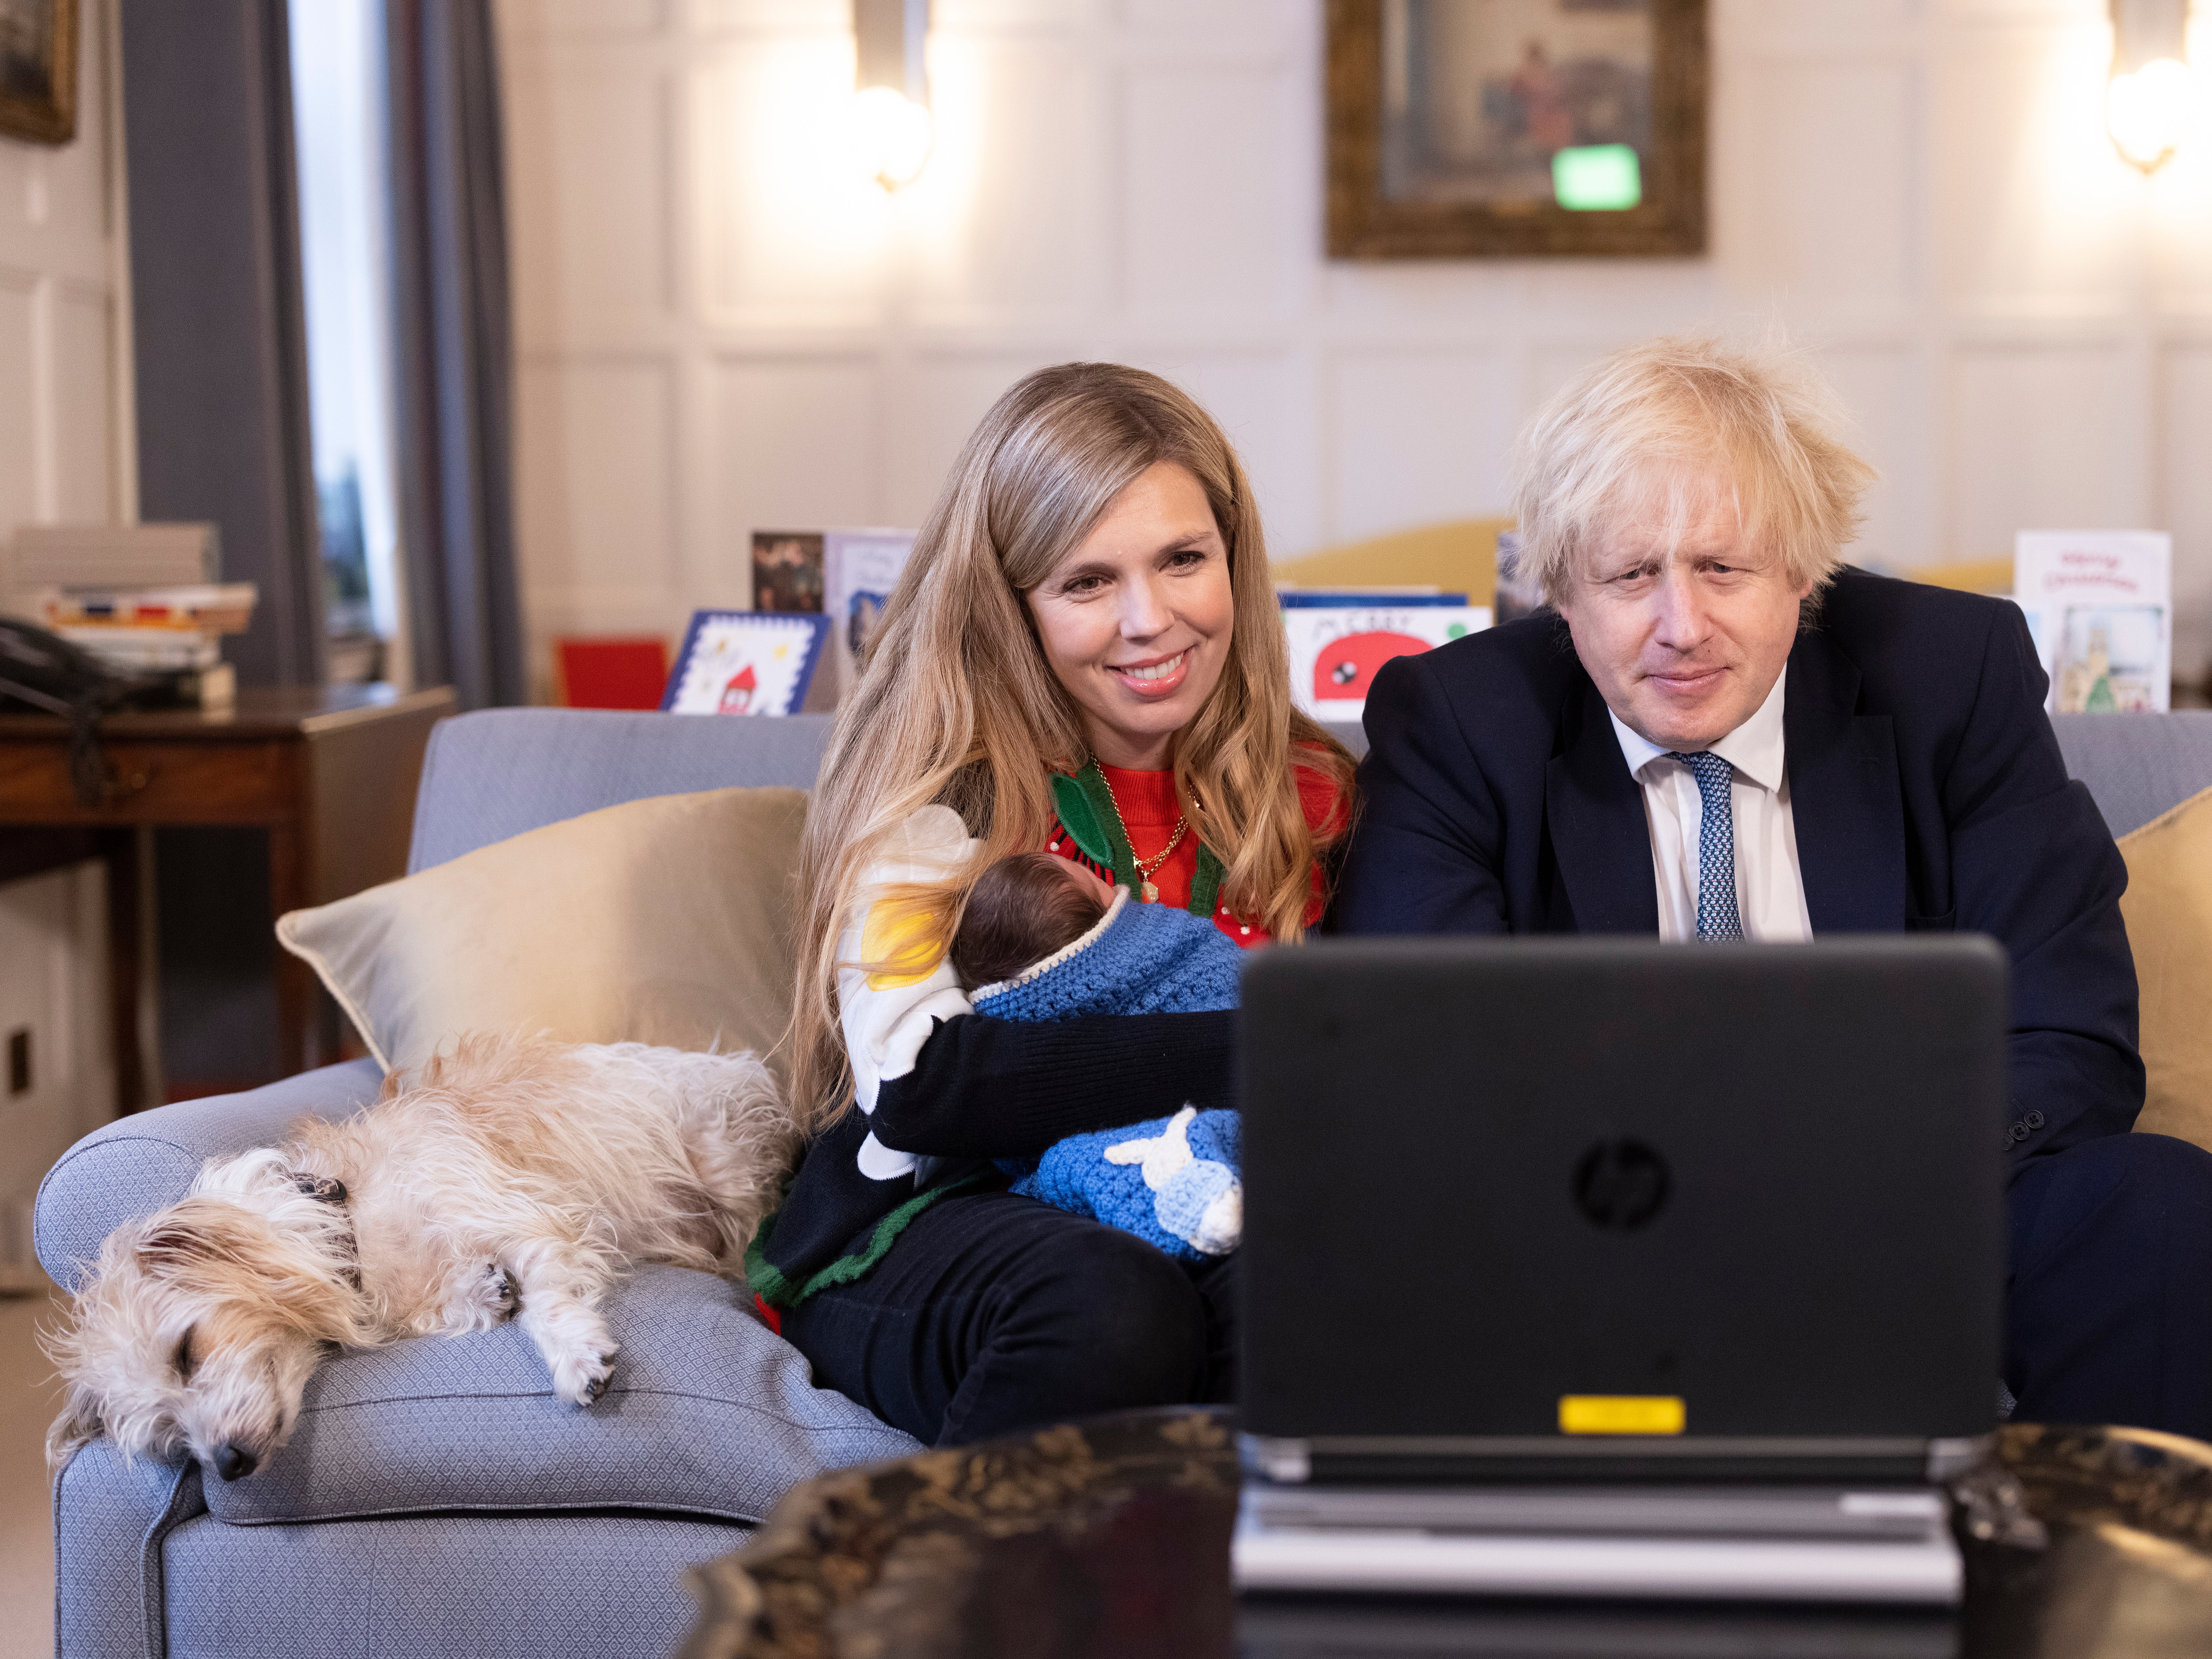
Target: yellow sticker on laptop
{"type": "Point", "coordinates": [1622, 1414]}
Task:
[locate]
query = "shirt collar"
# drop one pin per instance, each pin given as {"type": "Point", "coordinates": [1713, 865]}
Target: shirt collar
{"type": "Point", "coordinates": [1754, 749]}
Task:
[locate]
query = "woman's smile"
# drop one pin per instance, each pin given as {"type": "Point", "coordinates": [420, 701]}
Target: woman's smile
{"type": "Point", "coordinates": [1159, 677]}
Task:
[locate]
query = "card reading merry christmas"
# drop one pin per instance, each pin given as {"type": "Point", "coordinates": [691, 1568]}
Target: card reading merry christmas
{"type": "Point", "coordinates": [2101, 605]}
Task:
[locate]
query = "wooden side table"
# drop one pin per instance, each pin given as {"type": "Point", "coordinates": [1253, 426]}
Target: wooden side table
{"type": "Point", "coordinates": [329, 771]}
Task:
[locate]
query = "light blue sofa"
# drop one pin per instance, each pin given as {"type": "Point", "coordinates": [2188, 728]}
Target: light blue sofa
{"type": "Point", "coordinates": [436, 1500]}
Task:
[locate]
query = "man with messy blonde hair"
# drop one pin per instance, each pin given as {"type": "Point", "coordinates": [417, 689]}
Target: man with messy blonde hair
{"type": "Point", "coordinates": [1657, 434]}
{"type": "Point", "coordinates": [1717, 730]}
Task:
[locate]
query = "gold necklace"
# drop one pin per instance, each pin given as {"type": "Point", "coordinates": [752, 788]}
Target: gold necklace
{"type": "Point", "coordinates": [1146, 891]}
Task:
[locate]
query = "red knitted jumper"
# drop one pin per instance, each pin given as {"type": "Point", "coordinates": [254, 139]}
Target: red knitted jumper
{"type": "Point", "coordinates": [1147, 804]}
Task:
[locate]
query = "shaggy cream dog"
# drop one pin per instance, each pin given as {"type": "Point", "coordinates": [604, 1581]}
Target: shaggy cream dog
{"type": "Point", "coordinates": [511, 1180]}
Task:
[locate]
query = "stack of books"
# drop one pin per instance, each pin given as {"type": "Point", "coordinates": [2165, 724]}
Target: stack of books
{"type": "Point", "coordinates": [43, 556]}
{"type": "Point", "coordinates": [142, 598]}
{"type": "Point", "coordinates": [168, 632]}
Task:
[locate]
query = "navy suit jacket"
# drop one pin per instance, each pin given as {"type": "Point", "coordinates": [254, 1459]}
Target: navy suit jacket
{"type": "Point", "coordinates": [1926, 787]}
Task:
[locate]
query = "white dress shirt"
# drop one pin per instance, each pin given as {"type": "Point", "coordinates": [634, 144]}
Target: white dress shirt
{"type": "Point", "coordinates": [1770, 892]}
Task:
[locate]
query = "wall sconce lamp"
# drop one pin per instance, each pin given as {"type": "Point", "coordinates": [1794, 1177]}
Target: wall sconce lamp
{"type": "Point", "coordinates": [890, 102]}
{"type": "Point", "coordinates": [2149, 106]}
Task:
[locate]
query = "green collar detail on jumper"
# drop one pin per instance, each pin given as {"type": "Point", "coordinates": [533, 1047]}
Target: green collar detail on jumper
{"type": "Point", "coordinates": [769, 1283]}
{"type": "Point", "coordinates": [1086, 805]}
{"type": "Point", "coordinates": [1088, 815]}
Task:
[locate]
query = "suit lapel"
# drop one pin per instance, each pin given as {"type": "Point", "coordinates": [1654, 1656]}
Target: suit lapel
{"type": "Point", "coordinates": [1843, 796]}
{"type": "Point", "coordinates": [1594, 813]}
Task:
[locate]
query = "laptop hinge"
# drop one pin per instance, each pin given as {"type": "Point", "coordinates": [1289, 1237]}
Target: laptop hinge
{"type": "Point", "coordinates": [1946, 1458]}
{"type": "Point", "coordinates": [1433, 1460]}
{"type": "Point", "coordinates": [1286, 1463]}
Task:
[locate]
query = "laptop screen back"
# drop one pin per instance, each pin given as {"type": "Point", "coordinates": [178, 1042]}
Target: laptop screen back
{"type": "Point", "coordinates": [1490, 1184]}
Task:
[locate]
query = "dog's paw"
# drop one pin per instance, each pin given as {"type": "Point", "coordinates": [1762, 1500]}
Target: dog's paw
{"type": "Point", "coordinates": [596, 1385]}
{"type": "Point", "coordinates": [581, 1378]}
{"type": "Point", "coordinates": [484, 1299]}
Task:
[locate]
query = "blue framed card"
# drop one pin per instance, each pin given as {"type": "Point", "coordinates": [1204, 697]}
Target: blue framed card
{"type": "Point", "coordinates": [746, 662]}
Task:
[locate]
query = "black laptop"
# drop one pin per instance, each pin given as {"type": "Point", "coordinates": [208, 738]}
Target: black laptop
{"type": "Point", "coordinates": [1614, 1240]}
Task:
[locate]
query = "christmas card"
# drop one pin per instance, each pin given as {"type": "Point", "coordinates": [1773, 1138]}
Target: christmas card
{"type": "Point", "coordinates": [746, 662]}
{"type": "Point", "coordinates": [861, 568]}
{"type": "Point", "coordinates": [1338, 640]}
{"type": "Point", "coordinates": [2101, 605]}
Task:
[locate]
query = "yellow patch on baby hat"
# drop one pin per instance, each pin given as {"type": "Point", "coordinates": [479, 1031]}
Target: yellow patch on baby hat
{"type": "Point", "coordinates": [1622, 1414]}
{"type": "Point", "coordinates": [903, 936]}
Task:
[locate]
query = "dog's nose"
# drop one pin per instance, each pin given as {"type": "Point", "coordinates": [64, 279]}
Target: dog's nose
{"type": "Point", "coordinates": [233, 1461]}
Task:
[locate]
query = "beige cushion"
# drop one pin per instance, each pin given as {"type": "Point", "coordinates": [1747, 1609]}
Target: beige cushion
{"type": "Point", "coordinates": [2168, 907]}
{"type": "Point", "coordinates": [666, 921]}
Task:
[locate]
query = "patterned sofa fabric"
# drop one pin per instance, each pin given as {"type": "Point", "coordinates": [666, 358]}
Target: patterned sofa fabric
{"type": "Point", "coordinates": [468, 1586]}
{"type": "Point", "coordinates": [111, 1519]}
{"type": "Point", "coordinates": [708, 1414]}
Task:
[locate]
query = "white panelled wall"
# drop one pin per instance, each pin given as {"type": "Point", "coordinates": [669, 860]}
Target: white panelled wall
{"type": "Point", "coordinates": [63, 423]}
{"type": "Point", "coordinates": [722, 326]}
{"type": "Point", "coordinates": [64, 457]}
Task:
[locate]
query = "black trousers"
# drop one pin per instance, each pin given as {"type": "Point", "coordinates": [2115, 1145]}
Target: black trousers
{"type": "Point", "coordinates": [995, 1313]}
{"type": "Point", "coordinates": [2108, 1305]}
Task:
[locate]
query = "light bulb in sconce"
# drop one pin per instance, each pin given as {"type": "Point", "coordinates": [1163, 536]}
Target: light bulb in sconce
{"type": "Point", "coordinates": [2151, 105]}
{"type": "Point", "coordinates": [890, 121]}
{"type": "Point", "coordinates": [2151, 111]}
{"type": "Point", "coordinates": [891, 135]}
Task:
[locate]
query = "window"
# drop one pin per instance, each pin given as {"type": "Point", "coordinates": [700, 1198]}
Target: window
{"type": "Point", "coordinates": [338, 121]}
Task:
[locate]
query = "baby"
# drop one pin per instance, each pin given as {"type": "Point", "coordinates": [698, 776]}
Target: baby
{"type": "Point", "coordinates": [1042, 938]}
{"type": "Point", "coordinates": [1020, 911]}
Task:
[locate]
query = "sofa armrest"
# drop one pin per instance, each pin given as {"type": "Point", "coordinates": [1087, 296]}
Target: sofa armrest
{"type": "Point", "coordinates": [111, 1519]}
{"type": "Point", "coordinates": [139, 1163]}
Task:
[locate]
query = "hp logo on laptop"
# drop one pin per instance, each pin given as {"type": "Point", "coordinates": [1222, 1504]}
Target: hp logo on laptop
{"type": "Point", "coordinates": [1620, 1184]}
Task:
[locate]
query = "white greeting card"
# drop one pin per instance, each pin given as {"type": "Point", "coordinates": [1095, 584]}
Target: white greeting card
{"type": "Point", "coordinates": [860, 567]}
{"type": "Point", "coordinates": [1337, 640]}
{"type": "Point", "coordinates": [746, 662]}
{"type": "Point", "coordinates": [2101, 605]}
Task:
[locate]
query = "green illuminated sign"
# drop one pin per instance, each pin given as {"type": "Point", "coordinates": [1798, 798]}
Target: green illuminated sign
{"type": "Point", "coordinates": [1596, 178]}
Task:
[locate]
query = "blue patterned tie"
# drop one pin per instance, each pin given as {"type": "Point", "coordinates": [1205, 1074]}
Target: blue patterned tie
{"type": "Point", "coordinates": [1717, 918]}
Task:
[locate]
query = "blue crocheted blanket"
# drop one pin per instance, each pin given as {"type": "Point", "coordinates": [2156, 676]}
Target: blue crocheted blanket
{"type": "Point", "coordinates": [1173, 1180]}
{"type": "Point", "coordinates": [1140, 959]}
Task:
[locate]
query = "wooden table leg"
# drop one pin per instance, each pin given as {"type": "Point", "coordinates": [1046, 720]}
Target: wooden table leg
{"type": "Point", "coordinates": [134, 1008]}
{"type": "Point", "coordinates": [290, 887]}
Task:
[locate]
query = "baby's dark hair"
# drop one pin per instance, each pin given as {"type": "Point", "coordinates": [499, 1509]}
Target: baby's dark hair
{"type": "Point", "coordinates": [1020, 911]}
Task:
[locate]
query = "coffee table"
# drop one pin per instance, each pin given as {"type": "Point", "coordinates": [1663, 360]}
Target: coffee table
{"type": "Point", "coordinates": [1111, 1537]}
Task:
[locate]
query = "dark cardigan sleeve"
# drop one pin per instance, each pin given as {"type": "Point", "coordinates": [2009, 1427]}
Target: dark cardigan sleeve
{"type": "Point", "coordinates": [1000, 1088]}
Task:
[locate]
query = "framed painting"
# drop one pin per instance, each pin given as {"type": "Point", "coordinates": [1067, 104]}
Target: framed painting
{"type": "Point", "coordinates": [1513, 128]}
{"type": "Point", "coordinates": [37, 69]}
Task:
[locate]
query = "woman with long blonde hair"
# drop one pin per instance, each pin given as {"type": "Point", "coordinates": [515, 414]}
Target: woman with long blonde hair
{"type": "Point", "coordinates": [1084, 657]}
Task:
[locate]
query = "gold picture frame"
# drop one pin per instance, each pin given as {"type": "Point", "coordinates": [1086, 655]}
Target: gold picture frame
{"type": "Point", "coordinates": [1440, 154]}
{"type": "Point", "coordinates": [37, 69]}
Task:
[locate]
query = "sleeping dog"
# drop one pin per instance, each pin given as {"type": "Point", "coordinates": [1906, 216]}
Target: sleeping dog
{"type": "Point", "coordinates": [511, 1180]}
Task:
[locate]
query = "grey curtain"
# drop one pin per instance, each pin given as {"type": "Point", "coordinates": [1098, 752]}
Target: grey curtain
{"type": "Point", "coordinates": [455, 380]}
{"type": "Point", "coordinates": [218, 314]}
